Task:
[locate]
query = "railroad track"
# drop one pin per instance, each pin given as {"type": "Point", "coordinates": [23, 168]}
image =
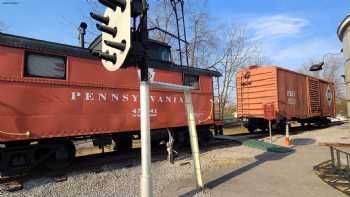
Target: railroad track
{"type": "Point", "coordinates": [95, 163]}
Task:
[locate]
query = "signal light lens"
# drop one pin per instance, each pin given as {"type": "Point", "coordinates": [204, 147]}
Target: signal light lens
{"type": "Point", "coordinates": [120, 46]}
{"type": "Point", "coordinates": [102, 19]}
{"type": "Point", "coordinates": [113, 4]}
{"type": "Point", "coordinates": [105, 56]}
{"type": "Point", "coordinates": [108, 30]}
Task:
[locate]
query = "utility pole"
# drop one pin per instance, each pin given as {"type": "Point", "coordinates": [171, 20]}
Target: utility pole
{"type": "Point", "coordinates": [344, 36]}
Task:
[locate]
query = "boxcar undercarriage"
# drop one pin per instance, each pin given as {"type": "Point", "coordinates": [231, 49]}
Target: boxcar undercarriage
{"type": "Point", "coordinates": [279, 125]}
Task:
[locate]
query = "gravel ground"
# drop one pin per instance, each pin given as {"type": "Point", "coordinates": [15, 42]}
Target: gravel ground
{"type": "Point", "coordinates": [118, 180]}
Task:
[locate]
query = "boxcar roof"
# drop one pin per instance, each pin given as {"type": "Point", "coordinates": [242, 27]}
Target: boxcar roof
{"type": "Point", "coordinates": [281, 68]}
{"type": "Point", "coordinates": [68, 50]}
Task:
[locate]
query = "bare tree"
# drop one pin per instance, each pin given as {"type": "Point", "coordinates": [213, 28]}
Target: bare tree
{"type": "Point", "coordinates": [238, 53]}
{"type": "Point", "coordinates": [204, 42]}
{"type": "Point", "coordinates": [162, 16]}
{"type": "Point", "coordinates": [200, 35]}
{"type": "Point", "coordinates": [332, 72]}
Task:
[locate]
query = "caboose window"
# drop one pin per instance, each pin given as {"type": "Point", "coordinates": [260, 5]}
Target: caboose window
{"type": "Point", "coordinates": [159, 52]}
{"type": "Point", "coordinates": [191, 80]}
{"type": "Point", "coordinates": [45, 66]}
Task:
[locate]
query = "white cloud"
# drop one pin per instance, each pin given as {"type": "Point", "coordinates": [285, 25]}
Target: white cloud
{"type": "Point", "coordinates": [269, 27]}
{"type": "Point", "coordinates": [301, 52]}
{"type": "Point", "coordinates": [287, 42]}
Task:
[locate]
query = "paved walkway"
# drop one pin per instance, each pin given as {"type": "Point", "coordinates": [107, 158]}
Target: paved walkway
{"type": "Point", "coordinates": [267, 174]}
{"type": "Point", "coordinates": [277, 175]}
{"type": "Point", "coordinates": [272, 175]}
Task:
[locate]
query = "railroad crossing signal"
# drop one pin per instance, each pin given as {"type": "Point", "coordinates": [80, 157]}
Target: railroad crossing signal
{"type": "Point", "coordinates": [116, 34]}
{"type": "Point", "coordinates": [116, 43]}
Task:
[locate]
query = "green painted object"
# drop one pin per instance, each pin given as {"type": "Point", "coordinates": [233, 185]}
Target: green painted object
{"type": "Point", "coordinates": [266, 146]}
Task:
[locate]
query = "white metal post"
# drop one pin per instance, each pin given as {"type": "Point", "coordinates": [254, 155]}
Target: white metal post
{"type": "Point", "coordinates": [270, 131]}
{"type": "Point", "coordinates": [146, 176]}
{"type": "Point", "coordinates": [193, 137]}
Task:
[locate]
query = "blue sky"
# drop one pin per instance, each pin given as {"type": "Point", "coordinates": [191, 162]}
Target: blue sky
{"type": "Point", "coordinates": [289, 32]}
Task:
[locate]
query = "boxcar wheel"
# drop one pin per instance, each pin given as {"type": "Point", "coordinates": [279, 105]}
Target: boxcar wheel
{"type": "Point", "coordinates": [251, 129]}
{"type": "Point", "coordinates": [281, 127]}
{"type": "Point", "coordinates": [61, 157]}
{"type": "Point", "coordinates": [264, 129]}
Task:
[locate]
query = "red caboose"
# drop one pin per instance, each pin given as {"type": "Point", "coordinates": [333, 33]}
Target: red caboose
{"type": "Point", "coordinates": [55, 94]}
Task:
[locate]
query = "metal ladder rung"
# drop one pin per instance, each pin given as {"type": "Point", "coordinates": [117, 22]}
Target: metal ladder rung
{"type": "Point", "coordinates": [180, 23]}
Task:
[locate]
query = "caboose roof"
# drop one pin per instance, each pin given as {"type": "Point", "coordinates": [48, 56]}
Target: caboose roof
{"type": "Point", "coordinates": [69, 50]}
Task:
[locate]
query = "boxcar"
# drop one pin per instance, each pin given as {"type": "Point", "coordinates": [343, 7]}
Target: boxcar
{"type": "Point", "coordinates": [293, 96]}
{"type": "Point", "coordinates": [55, 94]}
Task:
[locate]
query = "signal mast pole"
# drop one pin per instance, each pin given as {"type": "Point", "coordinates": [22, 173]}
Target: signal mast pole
{"type": "Point", "coordinates": [117, 41]}
{"type": "Point", "coordinates": [146, 176]}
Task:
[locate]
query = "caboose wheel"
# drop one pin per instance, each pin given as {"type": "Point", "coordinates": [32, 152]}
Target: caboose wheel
{"type": "Point", "coordinates": [181, 138]}
{"type": "Point", "coordinates": [123, 142]}
{"type": "Point", "coordinates": [204, 136]}
{"type": "Point", "coordinates": [62, 155]}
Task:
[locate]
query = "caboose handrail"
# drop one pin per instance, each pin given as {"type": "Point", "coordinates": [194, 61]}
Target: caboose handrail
{"type": "Point", "coordinates": [17, 134]}
{"type": "Point", "coordinates": [210, 114]}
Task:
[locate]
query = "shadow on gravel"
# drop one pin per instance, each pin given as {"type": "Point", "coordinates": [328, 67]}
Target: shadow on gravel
{"type": "Point", "coordinates": [260, 159]}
